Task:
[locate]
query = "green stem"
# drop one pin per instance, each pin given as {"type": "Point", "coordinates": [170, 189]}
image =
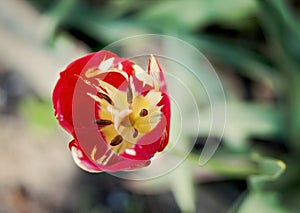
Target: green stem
{"type": "Point", "coordinates": [235, 166]}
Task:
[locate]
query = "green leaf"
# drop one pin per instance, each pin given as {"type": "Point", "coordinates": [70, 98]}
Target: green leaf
{"type": "Point", "coordinates": [258, 199]}
{"type": "Point", "coordinates": [182, 177]}
{"type": "Point", "coordinates": [172, 14]}
{"type": "Point", "coordinates": [106, 30]}
{"type": "Point", "coordinates": [269, 170]}
{"type": "Point", "coordinates": [244, 120]}
{"type": "Point", "coordinates": [261, 202]}
{"type": "Point", "coordinates": [283, 33]}
{"type": "Point", "coordinates": [247, 62]}
{"type": "Point", "coordinates": [55, 16]}
{"type": "Point", "coordinates": [182, 186]}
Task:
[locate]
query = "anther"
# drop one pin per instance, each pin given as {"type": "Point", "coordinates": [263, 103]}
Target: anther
{"type": "Point", "coordinates": [143, 113]}
{"type": "Point", "coordinates": [103, 122]}
{"type": "Point", "coordinates": [116, 140]}
{"type": "Point", "coordinates": [129, 95]}
{"type": "Point", "coordinates": [106, 97]}
{"type": "Point", "coordinates": [135, 133]}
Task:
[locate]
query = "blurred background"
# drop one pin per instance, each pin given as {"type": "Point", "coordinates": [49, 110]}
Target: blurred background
{"type": "Point", "coordinates": [252, 44]}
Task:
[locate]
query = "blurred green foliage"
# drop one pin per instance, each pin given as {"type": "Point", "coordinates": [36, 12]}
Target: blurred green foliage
{"type": "Point", "coordinates": [40, 113]}
{"type": "Point", "coordinates": [258, 42]}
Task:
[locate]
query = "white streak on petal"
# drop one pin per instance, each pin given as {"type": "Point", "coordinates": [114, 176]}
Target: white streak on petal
{"type": "Point", "coordinates": [120, 66]}
{"type": "Point", "coordinates": [77, 154]}
{"type": "Point", "coordinates": [125, 75]}
{"type": "Point", "coordinates": [108, 158]}
{"type": "Point", "coordinates": [154, 71]}
{"type": "Point", "coordinates": [103, 160]}
{"type": "Point", "coordinates": [132, 86]}
{"type": "Point", "coordinates": [92, 73]}
{"type": "Point", "coordinates": [95, 97]}
{"type": "Point", "coordinates": [105, 65]}
{"type": "Point", "coordinates": [142, 75]}
{"type": "Point", "coordinates": [130, 152]}
{"type": "Point", "coordinates": [93, 153]}
{"type": "Point", "coordinates": [153, 64]}
{"type": "Point", "coordinates": [154, 97]}
{"type": "Point", "coordinates": [138, 69]}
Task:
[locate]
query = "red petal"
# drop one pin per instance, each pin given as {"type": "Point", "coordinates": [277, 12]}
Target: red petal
{"type": "Point", "coordinates": [166, 110]}
{"type": "Point", "coordinates": [81, 159]}
{"type": "Point", "coordinates": [165, 102]}
{"type": "Point", "coordinates": [64, 89]}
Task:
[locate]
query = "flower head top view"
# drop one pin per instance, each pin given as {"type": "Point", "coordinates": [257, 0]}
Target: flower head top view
{"type": "Point", "coordinates": [117, 113]}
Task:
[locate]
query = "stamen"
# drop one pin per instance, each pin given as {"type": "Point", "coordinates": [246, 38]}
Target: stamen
{"type": "Point", "coordinates": [129, 95]}
{"type": "Point", "coordinates": [143, 113]}
{"type": "Point", "coordinates": [116, 140]}
{"type": "Point", "coordinates": [135, 133]}
{"type": "Point", "coordinates": [103, 122]}
{"type": "Point", "coordinates": [106, 97]}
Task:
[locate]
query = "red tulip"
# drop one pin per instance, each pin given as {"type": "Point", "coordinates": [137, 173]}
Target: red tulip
{"type": "Point", "coordinates": [117, 113]}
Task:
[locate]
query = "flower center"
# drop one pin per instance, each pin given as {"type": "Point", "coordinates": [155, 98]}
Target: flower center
{"type": "Point", "coordinates": [125, 116]}
{"type": "Point", "coordinates": [130, 122]}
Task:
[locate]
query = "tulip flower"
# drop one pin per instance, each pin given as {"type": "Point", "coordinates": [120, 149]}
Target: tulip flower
{"type": "Point", "coordinates": [117, 113]}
